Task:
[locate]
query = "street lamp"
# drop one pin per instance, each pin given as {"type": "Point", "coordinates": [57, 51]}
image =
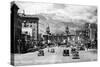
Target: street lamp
{"type": "Point", "coordinates": [19, 48]}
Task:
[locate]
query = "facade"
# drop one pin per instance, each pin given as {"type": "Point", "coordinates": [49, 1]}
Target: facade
{"type": "Point", "coordinates": [29, 31]}
{"type": "Point", "coordinates": [30, 26]}
{"type": "Point", "coordinates": [93, 31]}
{"type": "Point", "coordinates": [25, 29]}
{"type": "Point", "coordinates": [59, 38]}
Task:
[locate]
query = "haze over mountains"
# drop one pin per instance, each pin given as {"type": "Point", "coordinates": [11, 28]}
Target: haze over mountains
{"type": "Point", "coordinates": [58, 16]}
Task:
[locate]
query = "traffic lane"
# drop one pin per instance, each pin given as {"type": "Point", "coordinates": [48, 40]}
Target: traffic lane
{"type": "Point", "coordinates": [57, 57]}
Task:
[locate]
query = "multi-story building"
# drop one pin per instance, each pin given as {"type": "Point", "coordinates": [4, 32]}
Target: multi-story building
{"type": "Point", "coordinates": [29, 30]}
{"type": "Point", "coordinates": [29, 26]}
{"type": "Point", "coordinates": [93, 31]}
{"type": "Point", "coordinates": [24, 27]}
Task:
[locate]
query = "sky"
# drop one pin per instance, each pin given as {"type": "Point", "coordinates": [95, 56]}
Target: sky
{"type": "Point", "coordinates": [54, 14]}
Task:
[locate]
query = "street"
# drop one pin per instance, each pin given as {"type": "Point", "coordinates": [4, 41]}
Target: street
{"type": "Point", "coordinates": [57, 57]}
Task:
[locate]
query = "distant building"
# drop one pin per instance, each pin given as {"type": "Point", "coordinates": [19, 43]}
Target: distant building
{"type": "Point", "coordinates": [93, 31]}
{"type": "Point", "coordinates": [88, 33]}
{"type": "Point", "coordinates": [67, 30]}
{"type": "Point", "coordinates": [58, 38]}
{"type": "Point", "coordinates": [48, 31]}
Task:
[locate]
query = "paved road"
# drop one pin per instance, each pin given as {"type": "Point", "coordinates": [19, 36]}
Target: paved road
{"type": "Point", "coordinates": [57, 57]}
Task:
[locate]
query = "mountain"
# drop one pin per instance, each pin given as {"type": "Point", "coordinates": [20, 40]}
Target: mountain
{"type": "Point", "coordinates": [56, 26]}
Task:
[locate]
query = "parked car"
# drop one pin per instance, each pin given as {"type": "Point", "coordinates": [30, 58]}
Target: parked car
{"type": "Point", "coordinates": [82, 48]}
{"type": "Point", "coordinates": [73, 50]}
{"type": "Point", "coordinates": [66, 52]}
{"type": "Point", "coordinates": [41, 53]}
{"type": "Point", "coordinates": [75, 55]}
{"type": "Point", "coordinates": [52, 50]}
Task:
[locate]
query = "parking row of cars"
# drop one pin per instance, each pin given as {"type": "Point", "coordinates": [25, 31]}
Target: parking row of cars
{"type": "Point", "coordinates": [66, 52]}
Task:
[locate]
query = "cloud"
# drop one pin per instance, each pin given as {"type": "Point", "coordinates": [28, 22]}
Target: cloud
{"type": "Point", "coordinates": [33, 8]}
{"type": "Point", "coordinates": [59, 11]}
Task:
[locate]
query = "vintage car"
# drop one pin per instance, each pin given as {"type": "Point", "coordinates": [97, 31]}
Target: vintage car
{"type": "Point", "coordinates": [73, 50]}
{"type": "Point", "coordinates": [41, 53]}
{"type": "Point", "coordinates": [66, 52]}
{"type": "Point", "coordinates": [82, 48]}
{"type": "Point", "coordinates": [75, 55]}
{"type": "Point", "coordinates": [52, 50]}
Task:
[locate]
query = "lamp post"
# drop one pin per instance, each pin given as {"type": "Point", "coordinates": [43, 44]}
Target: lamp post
{"type": "Point", "coordinates": [19, 47]}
